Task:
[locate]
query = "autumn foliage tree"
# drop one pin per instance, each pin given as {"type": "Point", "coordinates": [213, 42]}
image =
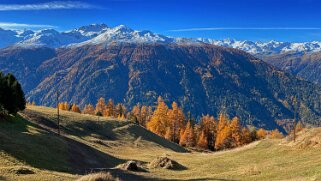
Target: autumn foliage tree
{"type": "Point", "coordinates": [209, 126]}
{"type": "Point", "coordinates": [236, 133]}
{"type": "Point", "coordinates": [100, 106]}
{"type": "Point", "coordinates": [159, 120]}
{"type": "Point", "coordinates": [89, 109]}
{"type": "Point", "coordinates": [109, 111]}
{"type": "Point", "coordinates": [246, 136]}
{"type": "Point", "coordinates": [202, 141]}
{"type": "Point", "coordinates": [261, 133]}
{"type": "Point", "coordinates": [75, 108]}
{"type": "Point", "coordinates": [120, 111]}
{"type": "Point", "coordinates": [188, 137]}
{"type": "Point", "coordinates": [276, 134]}
{"type": "Point", "coordinates": [176, 120]}
{"type": "Point", "coordinates": [223, 133]}
{"type": "Point", "coordinates": [171, 123]}
{"type": "Point", "coordinates": [63, 106]}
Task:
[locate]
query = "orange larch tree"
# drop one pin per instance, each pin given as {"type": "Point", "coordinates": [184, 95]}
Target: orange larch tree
{"type": "Point", "coordinates": [89, 109]}
{"type": "Point", "coordinates": [100, 106]}
{"type": "Point", "coordinates": [276, 134]}
{"type": "Point", "coordinates": [223, 138]}
{"type": "Point", "coordinates": [176, 118]}
{"type": "Point", "coordinates": [236, 133]}
{"type": "Point", "coordinates": [75, 108]}
{"type": "Point", "coordinates": [143, 115]}
{"type": "Point", "coordinates": [261, 134]}
{"type": "Point", "coordinates": [159, 120]}
{"type": "Point", "coordinates": [120, 111]}
{"type": "Point", "coordinates": [188, 137]}
{"type": "Point", "coordinates": [202, 141]}
{"type": "Point", "coordinates": [109, 111]}
{"type": "Point", "coordinates": [136, 111]}
{"type": "Point", "coordinates": [246, 136]}
{"type": "Point", "coordinates": [168, 134]}
{"type": "Point", "coordinates": [208, 125]}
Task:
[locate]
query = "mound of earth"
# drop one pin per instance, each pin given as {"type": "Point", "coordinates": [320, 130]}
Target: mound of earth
{"type": "Point", "coordinates": [307, 138]}
{"type": "Point", "coordinates": [165, 162]}
{"type": "Point", "coordinates": [130, 166]}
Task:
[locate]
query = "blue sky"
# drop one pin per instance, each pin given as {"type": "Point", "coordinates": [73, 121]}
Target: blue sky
{"type": "Point", "coordinates": [257, 20]}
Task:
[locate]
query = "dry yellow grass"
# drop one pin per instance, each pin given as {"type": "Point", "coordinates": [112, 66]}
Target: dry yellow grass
{"type": "Point", "coordinates": [264, 160]}
{"type": "Point", "coordinates": [101, 176]}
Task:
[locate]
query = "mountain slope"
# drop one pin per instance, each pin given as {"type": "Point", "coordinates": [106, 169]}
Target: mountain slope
{"type": "Point", "coordinates": [201, 78]}
{"type": "Point", "coordinates": [304, 65]}
{"type": "Point", "coordinates": [24, 64]}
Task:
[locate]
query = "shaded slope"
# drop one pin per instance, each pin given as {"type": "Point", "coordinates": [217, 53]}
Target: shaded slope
{"type": "Point", "coordinates": [43, 149]}
{"type": "Point", "coordinates": [84, 143]}
{"type": "Point", "coordinates": [24, 64]}
{"type": "Point", "coordinates": [304, 65]}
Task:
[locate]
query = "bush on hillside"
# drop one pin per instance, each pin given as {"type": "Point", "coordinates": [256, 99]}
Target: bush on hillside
{"type": "Point", "coordinates": [12, 97]}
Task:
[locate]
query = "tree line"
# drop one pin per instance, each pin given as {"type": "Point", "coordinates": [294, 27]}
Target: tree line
{"type": "Point", "coordinates": [12, 97]}
{"type": "Point", "coordinates": [172, 124]}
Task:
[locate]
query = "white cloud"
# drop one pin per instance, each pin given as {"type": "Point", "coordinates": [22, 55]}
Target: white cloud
{"type": "Point", "coordinates": [8, 25]}
{"type": "Point", "coordinates": [246, 28]}
{"type": "Point", "coordinates": [48, 6]}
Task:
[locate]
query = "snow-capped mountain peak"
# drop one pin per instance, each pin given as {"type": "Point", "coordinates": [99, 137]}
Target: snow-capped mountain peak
{"type": "Point", "coordinates": [102, 34]}
{"type": "Point", "coordinates": [123, 33]}
{"type": "Point", "coordinates": [91, 30]}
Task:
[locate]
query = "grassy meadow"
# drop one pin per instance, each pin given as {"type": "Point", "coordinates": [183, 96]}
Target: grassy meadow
{"type": "Point", "coordinates": [29, 143]}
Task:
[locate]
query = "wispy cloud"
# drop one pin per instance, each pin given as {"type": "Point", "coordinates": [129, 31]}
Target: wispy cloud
{"type": "Point", "coordinates": [8, 25]}
{"type": "Point", "coordinates": [246, 28]}
{"type": "Point", "coordinates": [48, 6]}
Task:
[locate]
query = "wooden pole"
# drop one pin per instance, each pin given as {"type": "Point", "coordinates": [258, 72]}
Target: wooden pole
{"type": "Point", "coordinates": [294, 121]}
{"type": "Point", "coordinates": [58, 119]}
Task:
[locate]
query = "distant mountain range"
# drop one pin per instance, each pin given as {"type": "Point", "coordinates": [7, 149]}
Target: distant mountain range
{"type": "Point", "coordinates": [101, 33]}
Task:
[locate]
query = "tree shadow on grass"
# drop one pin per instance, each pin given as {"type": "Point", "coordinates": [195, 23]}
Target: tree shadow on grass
{"type": "Point", "coordinates": [44, 149]}
{"type": "Point", "coordinates": [101, 129]}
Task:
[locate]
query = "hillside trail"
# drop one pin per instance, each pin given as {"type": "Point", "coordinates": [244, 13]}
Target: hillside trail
{"type": "Point", "coordinates": [238, 149]}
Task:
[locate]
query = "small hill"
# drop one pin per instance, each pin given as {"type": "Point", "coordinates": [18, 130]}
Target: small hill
{"type": "Point", "coordinates": [30, 141]}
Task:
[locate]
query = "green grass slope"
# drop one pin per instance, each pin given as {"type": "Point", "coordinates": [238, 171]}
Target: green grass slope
{"type": "Point", "coordinates": [29, 142]}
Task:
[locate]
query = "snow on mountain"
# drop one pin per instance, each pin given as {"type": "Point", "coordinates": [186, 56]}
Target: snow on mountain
{"type": "Point", "coordinates": [55, 39]}
{"type": "Point", "coordinates": [271, 47]}
{"type": "Point", "coordinates": [124, 34]}
{"type": "Point", "coordinates": [51, 38]}
{"type": "Point", "coordinates": [102, 34]}
{"type": "Point", "coordinates": [91, 30]}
